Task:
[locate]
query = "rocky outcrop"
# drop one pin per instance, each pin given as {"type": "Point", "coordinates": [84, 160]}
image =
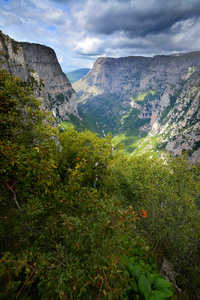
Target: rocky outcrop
{"type": "Point", "coordinates": [14, 57]}
{"type": "Point", "coordinates": [158, 95]}
{"type": "Point", "coordinates": [179, 125]}
{"type": "Point", "coordinates": [38, 65]}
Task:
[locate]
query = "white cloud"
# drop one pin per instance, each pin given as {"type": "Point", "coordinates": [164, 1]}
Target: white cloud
{"type": "Point", "coordinates": [89, 46]}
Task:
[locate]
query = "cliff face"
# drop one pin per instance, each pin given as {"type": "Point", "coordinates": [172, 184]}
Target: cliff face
{"type": "Point", "coordinates": [178, 124]}
{"type": "Point", "coordinates": [38, 65]}
{"type": "Point", "coordinates": [158, 96]}
{"type": "Point", "coordinates": [125, 75]}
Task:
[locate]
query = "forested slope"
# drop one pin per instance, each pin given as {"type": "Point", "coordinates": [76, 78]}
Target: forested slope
{"type": "Point", "coordinates": [80, 221]}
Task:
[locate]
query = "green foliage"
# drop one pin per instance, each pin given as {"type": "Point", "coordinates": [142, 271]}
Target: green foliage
{"type": "Point", "coordinates": [128, 139]}
{"type": "Point", "coordinates": [16, 46]}
{"type": "Point", "coordinates": [60, 98]}
{"type": "Point", "coordinates": [87, 152]}
{"type": "Point", "coordinates": [147, 285]}
{"type": "Point", "coordinates": [144, 280]}
{"type": "Point", "coordinates": [61, 235]}
{"type": "Point", "coordinates": [77, 220]}
{"type": "Point", "coordinates": [31, 70]}
{"type": "Point", "coordinates": [144, 96]}
{"type": "Point", "coordinates": [114, 112]}
{"type": "Point", "coordinates": [82, 124]}
{"type": "Point", "coordinates": [168, 192]}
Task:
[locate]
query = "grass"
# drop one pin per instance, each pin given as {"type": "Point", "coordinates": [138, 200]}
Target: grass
{"type": "Point", "coordinates": [141, 97]}
{"type": "Point", "coordinates": [145, 95]}
{"type": "Point", "coordinates": [66, 125]}
{"type": "Point", "coordinates": [151, 145]}
{"type": "Point", "coordinates": [133, 145]}
{"type": "Point", "coordinates": [128, 139]}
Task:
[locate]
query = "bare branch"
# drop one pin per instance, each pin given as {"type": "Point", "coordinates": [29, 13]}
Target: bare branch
{"type": "Point", "coordinates": [15, 197]}
{"type": "Point", "coordinates": [60, 262]}
{"type": "Point", "coordinates": [161, 180]}
{"type": "Point", "coordinates": [27, 280]}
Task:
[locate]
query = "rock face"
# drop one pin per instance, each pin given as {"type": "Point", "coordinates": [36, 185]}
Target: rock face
{"type": "Point", "coordinates": [179, 123]}
{"type": "Point", "coordinates": [125, 75]}
{"type": "Point", "coordinates": [38, 65]}
{"type": "Point", "coordinates": [157, 96]}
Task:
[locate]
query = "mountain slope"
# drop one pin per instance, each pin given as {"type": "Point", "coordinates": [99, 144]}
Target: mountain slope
{"type": "Point", "coordinates": [136, 96]}
{"type": "Point", "coordinates": [77, 74]}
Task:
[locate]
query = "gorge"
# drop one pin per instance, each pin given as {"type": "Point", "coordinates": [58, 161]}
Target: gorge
{"type": "Point", "coordinates": [78, 220]}
{"type": "Point", "coordinates": [154, 97]}
{"type": "Point", "coordinates": [137, 99]}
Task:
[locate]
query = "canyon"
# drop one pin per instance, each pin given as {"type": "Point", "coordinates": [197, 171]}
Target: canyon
{"type": "Point", "coordinates": [156, 97]}
{"type": "Point", "coordinates": [137, 99]}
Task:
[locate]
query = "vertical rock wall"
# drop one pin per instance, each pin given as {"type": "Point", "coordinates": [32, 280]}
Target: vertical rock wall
{"type": "Point", "coordinates": [38, 64]}
{"type": "Point", "coordinates": [62, 97]}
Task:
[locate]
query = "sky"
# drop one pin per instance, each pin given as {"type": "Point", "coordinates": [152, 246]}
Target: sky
{"type": "Point", "coordinates": [80, 31]}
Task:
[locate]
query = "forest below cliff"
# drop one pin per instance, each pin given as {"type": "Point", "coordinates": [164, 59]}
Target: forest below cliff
{"type": "Point", "coordinates": [78, 220]}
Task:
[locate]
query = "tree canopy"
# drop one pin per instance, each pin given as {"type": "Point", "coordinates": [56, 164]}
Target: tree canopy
{"type": "Point", "coordinates": [77, 220]}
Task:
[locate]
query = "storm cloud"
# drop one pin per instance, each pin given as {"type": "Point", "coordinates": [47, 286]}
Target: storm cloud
{"type": "Point", "coordinates": [137, 18]}
{"type": "Point", "coordinates": [82, 30]}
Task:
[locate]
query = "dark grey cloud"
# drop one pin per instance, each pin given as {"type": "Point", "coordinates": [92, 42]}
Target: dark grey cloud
{"type": "Point", "coordinates": [82, 30]}
{"type": "Point", "coordinates": [138, 18]}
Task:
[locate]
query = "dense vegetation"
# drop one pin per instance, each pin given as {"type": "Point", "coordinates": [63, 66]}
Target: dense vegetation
{"type": "Point", "coordinates": [80, 221]}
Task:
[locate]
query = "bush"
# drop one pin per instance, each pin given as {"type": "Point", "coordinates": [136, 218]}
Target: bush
{"type": "Point", "coordinates": [169, 193]}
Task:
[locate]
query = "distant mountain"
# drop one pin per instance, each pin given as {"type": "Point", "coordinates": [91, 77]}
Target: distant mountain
{"type": "Point", "coordinates": [137, 97]}
{"type": "Point", "coordinates": [77, 74]}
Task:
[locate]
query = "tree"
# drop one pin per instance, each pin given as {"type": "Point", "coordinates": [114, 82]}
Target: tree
{"type": "Point", "coordinates": [60, 235]}
{"type": "Point", "coordinates": [87, 150]}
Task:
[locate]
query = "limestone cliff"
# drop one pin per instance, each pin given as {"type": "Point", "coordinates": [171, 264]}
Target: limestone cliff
{"type": "Point", "coordinates": [125, 75]}
{"type": "Point", "coordinates": [158, 95]}
{"type": "Point", "coordinates": [38, 65]}
{"type": "Point", "coordinates": [178, 124]}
